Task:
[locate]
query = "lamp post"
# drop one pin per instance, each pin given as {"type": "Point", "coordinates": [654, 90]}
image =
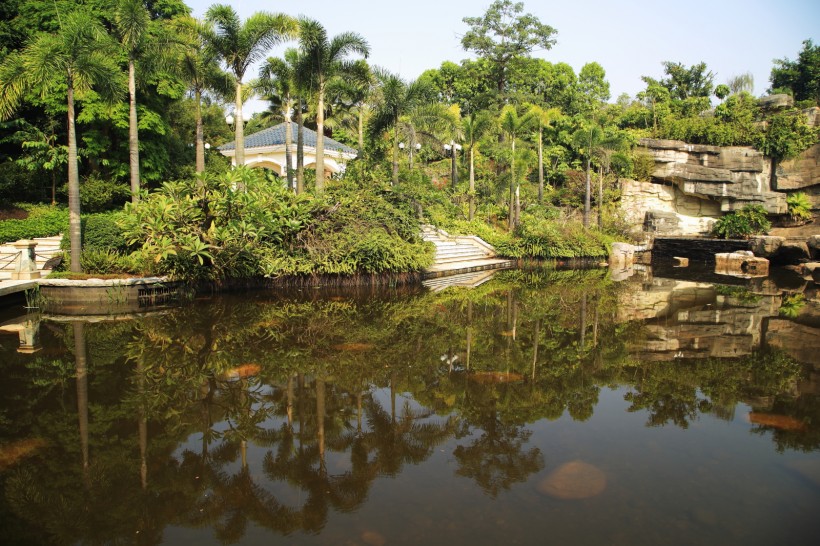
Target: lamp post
{"type": "Point", "coordinates": [453, 148]}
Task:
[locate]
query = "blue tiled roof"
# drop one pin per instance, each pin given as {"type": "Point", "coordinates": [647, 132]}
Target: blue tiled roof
{"type": "Point", "coordinates": [275, 136]}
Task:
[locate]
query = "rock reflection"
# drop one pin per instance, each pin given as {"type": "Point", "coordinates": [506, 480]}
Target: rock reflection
{"type": "Point", "coordinates": [277, 411]}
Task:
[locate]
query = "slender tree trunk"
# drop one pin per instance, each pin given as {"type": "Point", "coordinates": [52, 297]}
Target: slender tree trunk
{"type": "Point", "coordinates": [320, 140]}
{"type": "Point", "coordinates": [290, 403]}
{"type": "Point", "coordinates": [133, 134]}
{"type": "Point", "coordinates": [511, 221]}
{"type": "Point", "coordinates": [200, 134]}
{"type": "Point", "coordinates": [587, 204]}
{"type": "Point", "coordinates": [300, 149]}
{"type": "Point", "coordinates": [53, 188]}
{"type": "Point", "coordinates": [472, 182]}
{"type": "Point", "coordinates": [395, 154]}
{"type": "Point", "coordinates": [320, 421]}
{"type": "Point", "coordinates": [601, 197]}
{"type": "Point", "coordinates": [361, 129]}
{"type": "Point", "coordinates": [81, 363]}
{"type": "Point", "coordinates": [74, 234]}
{"type": "Point", "coordinates": [288, 145]}
{"type": "Point", "coordinates": [536, 336]}
{"type": "Point", "coordinates": [540, 164]}
{"type": "Point", "coordinates": [454, 168]}
{"type": "Point", "coordinates": [240, 128]}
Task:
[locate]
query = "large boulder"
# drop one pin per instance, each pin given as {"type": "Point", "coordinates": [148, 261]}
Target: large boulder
{"type": "Point", "coordinates": [766, 246]}
{"type": "Point", "coordinates": [776, 102]}
{"type": "Point", "coordinates": [800, 172]}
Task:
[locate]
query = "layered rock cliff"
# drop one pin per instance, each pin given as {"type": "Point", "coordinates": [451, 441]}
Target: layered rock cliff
{"type": "Point", "coordinates": [692, 184]}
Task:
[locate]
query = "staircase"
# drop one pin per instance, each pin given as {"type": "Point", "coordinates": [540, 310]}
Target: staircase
{"type": "Point", "coordinates": [46, 248]}
{"type": "Point", "coordinates": [458, 255]}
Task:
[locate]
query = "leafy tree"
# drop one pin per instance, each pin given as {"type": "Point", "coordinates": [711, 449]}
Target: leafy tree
{"type": "Point", "coordinates": [42, 150]}
{"type": "Point", "coordinates": [801, 77]}
{"type": "Point", "coordinates": [322, 60]}
{"type": "Point", "coordinates": [587, 139]}
{"type": "Point", "coordinates": [722, 91]}
{"type": "Point", "coordinates": [543, 118]}
{"type": "Point", "coordinates": [741, 83]}
{"type": "Point", "coordinates": [80, 57]}
{"type": "Point", "coordinates": [684, 82]}
{"type": "Point", "coordinates": [239, 45]}
{"type": "Point", "coordinates": [504, 34]}
{"type": "Point", "coordinates": [593, 88]}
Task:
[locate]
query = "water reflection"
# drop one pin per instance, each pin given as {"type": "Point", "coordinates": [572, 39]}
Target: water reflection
{"type": "Point", "coordinates": [271, 412]}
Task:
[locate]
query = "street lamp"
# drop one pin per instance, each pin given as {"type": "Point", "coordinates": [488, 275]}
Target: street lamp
{"type": "Point", "coordinates": [453, 148]}
{"type": "Point", "coordinates": [229, 119]}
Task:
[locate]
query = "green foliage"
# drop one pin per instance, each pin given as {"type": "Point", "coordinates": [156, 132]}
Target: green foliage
{"type": "Point", "coordinates": [801, 77]}
{"type": "Point", "coordinates": [98, 195]}
{"type": "Point", "coordinates": [541, 238]}
{"type": "Point", "coordinates": [43, 221]}
{"type": "Point", "coordinates": [748, 221]}
{"type": "Point", "coordinates": [787, 135]}
{"type": "Point", "coordinates": [791, 305]}
{"type": "Point", "coordinates": [644, 166]}
{"type": "Point", "coordinates": [102, 232]}
{"type": "Point", "coordinates": [239, 225]}
{"type": "Point", "coordinates": [799, 206]}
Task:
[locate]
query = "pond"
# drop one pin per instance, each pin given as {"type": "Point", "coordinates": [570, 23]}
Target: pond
{"type": "Point", "coordinates": [541, 406]}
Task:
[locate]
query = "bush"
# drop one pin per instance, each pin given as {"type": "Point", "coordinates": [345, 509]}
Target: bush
{"type": "Point", "coordinates": [43, 221]}
{"type": "Point", "coordinates": [102, 231]}
{"type": "Point", "coordinates": [541, 238]}
{"type": "Point", "coordinates": [799, 207]}
{"type": "Point", "coordinates": [748, 221]}
{"type": "Point", "coordinates": [98, 195]}
{"type": "Point", "coordinates": [644, 166]}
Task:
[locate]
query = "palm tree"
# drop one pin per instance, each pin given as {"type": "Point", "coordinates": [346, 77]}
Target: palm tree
{"type": "Point", "coordinates": [198, 67]}
{"type": "Point", "coordinates": [79, 56]}
{"type": "Point", "coordinates": [131, 22]}
{"type": "Point", "coordinates": [240, 45]}
{"type": "Point", "coordinates": [278, 77]}
{"type": "Point", "coordinates": [322, 60]}
{"type": "Point", "coordinates": [474, 126]}
{"type": "Point", "coordinates": [513, 124]}
{"type": "Point", "coordinates": [396, 99]}
{"type": "Point", "coordinates": [543, 118]}
{"type": "Point", "coordinates": [591, 141]}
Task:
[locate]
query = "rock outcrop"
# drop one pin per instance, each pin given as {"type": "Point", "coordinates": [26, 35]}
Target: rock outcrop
{"type": "Point", "coordinates": [733, 176]}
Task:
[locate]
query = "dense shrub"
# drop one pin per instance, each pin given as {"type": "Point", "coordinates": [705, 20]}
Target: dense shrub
{"type": "Point", "coordinates": [98, 195]}
{"type": "Point", "coordinates": [238, 225]}
{"type": "Point", "coordinates": [43, 221]}
{"type": "Point", "coordinates": [541, 238]}
{"type": "Point", "coordinates": [748, 221]}
{"type": "Point", "coordinates": [102, 232]}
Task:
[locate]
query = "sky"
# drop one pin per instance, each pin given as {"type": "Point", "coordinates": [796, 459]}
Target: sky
{"type": "Point", "coordinates": [628, 38]}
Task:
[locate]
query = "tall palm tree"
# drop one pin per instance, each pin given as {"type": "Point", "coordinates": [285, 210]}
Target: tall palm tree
{"type": "Point", "coordinates": [543, 118]}
{"type": "Point", "coordinates": [474, 126]}
{"type": "Point", "coordinates": [198, 67]}
{"type": "Point", "coordinates": [396, 99]}
{"type": "Point", "coordinates": [76, 58]}
{"type": "Point", "coordinates": [239, 45]}
{"type": "Point", "coordinates": [277, 77]}
{"type": "Point", "coordinates": [586, 140]}
{"type": "Point", "coordinates": [131, 23]}
{"type": "Point", "coordinates": [513, 124]}
{"type": "Point", "coordinates": [322, 60]}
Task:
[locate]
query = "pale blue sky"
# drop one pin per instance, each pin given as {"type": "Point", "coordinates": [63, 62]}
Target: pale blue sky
{"type": "Point", "coordinates": [629, 38]}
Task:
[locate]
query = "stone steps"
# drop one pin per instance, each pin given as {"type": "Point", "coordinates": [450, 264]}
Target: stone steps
{"type": "Point", "coordinates": [459, 261]}
{"type": "Point", "coordinates": [467, 280]}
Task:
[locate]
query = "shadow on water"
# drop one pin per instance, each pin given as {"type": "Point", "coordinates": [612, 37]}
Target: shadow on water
{"type": "Point", "coordinates": [404, 416]}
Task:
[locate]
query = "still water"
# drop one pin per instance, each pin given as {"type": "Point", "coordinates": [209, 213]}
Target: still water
{"type": "Point", "coordinates": [539, 407]}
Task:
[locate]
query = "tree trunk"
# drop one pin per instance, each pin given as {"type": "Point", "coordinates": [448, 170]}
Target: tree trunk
{"type": "Point", "coordinates": [200, 134]}
{"type": "Point", "coordinates": [300, 150]}
{"type": "Point", "coordinates": [601, 197]}
{"type": "Point", "coordinates": [320, 140]}
{"type": "Point", "coordinates": [74, 234]}
{"type": "Point", "coordinates": [81, 363]}
{"type": "Point", "coordinates": [472, 182]}
{"type": "Point", "coordinates": [320, 422]}
{"type": "Point", "coordinates": [361, 129]}
{"type": "Point", "coordinates": [454, 168]}
{"type": "Point", "coordinates": [239, 156]}
{"type": "Point", "coordinates": [587, 197]}
{"type": "Point", "coordinates": [513, 220]}
{"type": "Point", "coordinates": [288, 145]}
{"type": "Point", "coordinates": [540, 164]}
{"type": "Point", "coordinates": [395, 153]}
{"type": "Point", "coordinates": [133, 134]}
